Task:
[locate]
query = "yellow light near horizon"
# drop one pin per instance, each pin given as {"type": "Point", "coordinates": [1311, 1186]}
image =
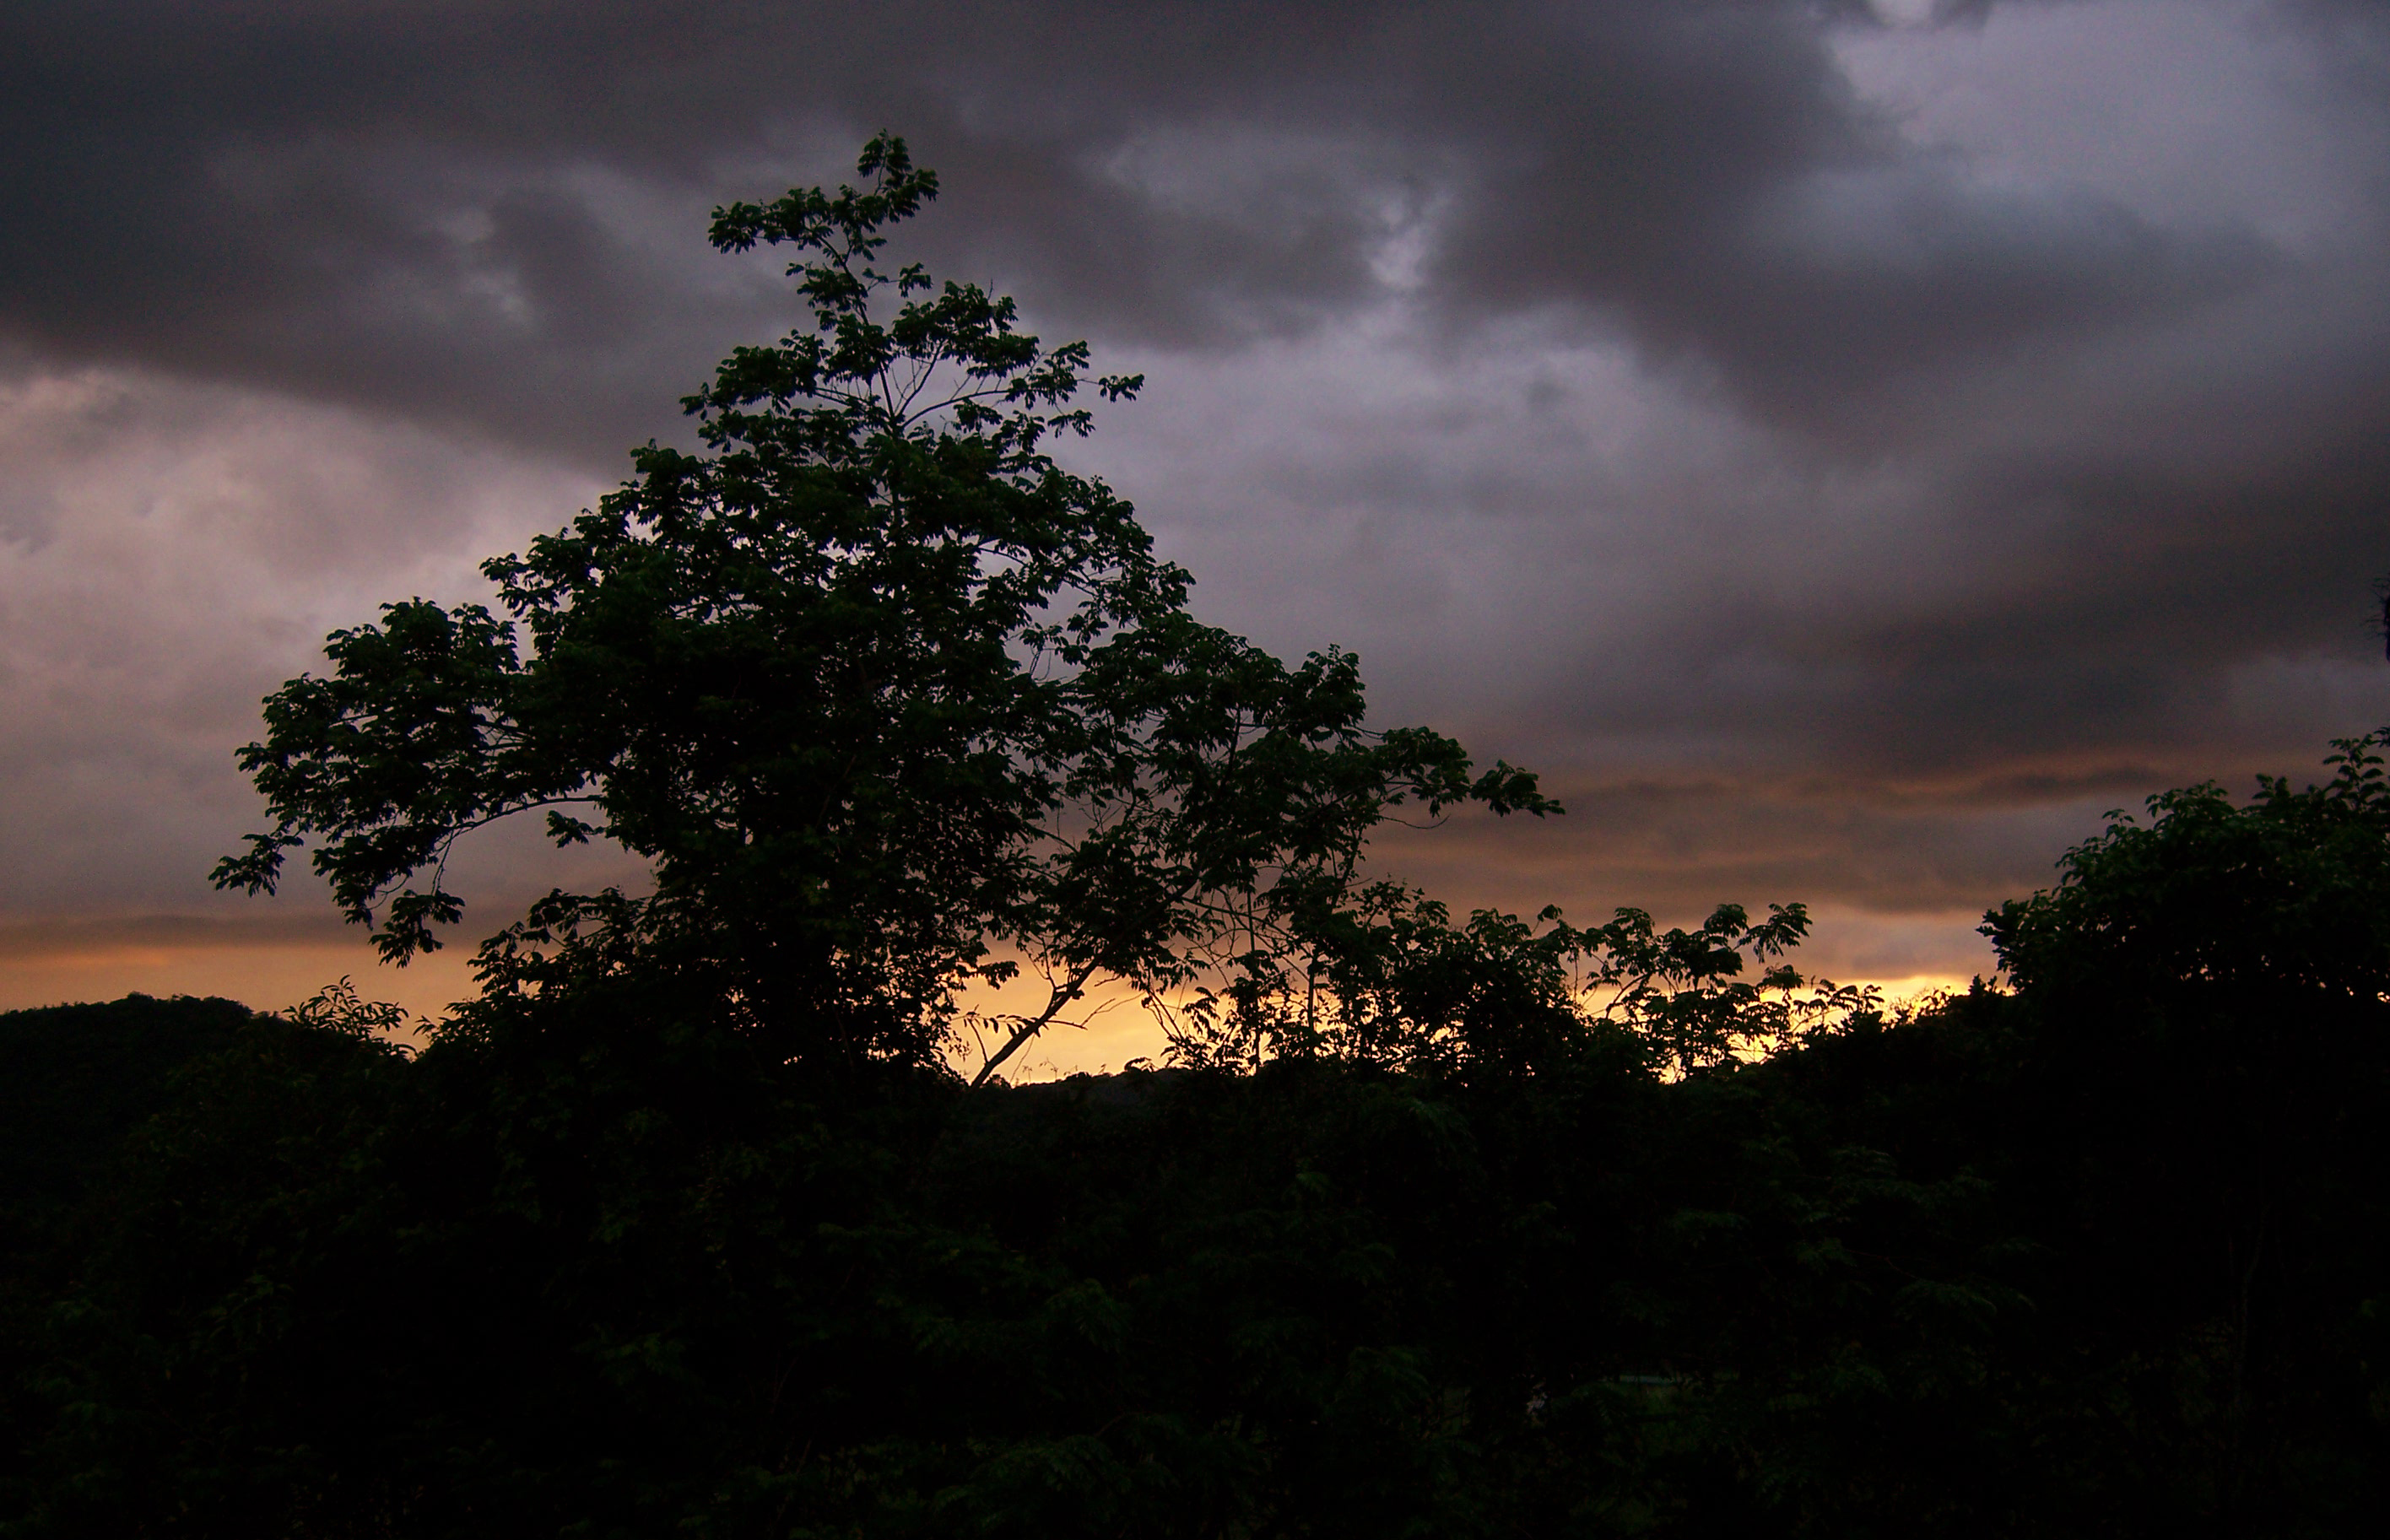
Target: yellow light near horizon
{"type": "Point", "coordinates": [1107, 1030]}
{"type": "Point", "coordinates": [262, 975]}
{"type": "Point", "coordinates": [1102, 1033]}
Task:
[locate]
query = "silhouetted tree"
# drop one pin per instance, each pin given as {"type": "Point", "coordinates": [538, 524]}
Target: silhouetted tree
{"type": "Point", "coordinates": [875, 685]}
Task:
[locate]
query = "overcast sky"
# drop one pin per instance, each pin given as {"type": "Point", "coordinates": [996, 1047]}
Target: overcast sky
{"type": "Point", "coordinates": [1846, 448]}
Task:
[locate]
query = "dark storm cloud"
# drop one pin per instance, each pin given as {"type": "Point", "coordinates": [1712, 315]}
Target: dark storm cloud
{"type": "Point", "coordinates": [2094, 597]}
{"type": "Point", "coordinates": [485, 211]}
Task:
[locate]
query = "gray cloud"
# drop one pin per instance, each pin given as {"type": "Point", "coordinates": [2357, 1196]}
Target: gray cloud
{"type": "Point", "coordinates": [451, 211]}
{"type": "Point", "coordinates": [1847, 453]}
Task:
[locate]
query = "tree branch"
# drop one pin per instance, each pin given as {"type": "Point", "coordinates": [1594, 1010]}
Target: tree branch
{"type": "Point", "coordinates": [1031, 1027]}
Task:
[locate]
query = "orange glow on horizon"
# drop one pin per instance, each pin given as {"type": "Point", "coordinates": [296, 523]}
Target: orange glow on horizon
{"type": "Point", "coordinates": [1104, 1032]}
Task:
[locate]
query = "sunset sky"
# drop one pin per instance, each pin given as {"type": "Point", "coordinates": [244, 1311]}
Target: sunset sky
{"type": "Point", "coordinates": [1845, 448]}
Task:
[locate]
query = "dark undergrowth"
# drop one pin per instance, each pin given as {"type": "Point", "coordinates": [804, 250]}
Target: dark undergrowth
{"type": "Point", "coordinates": [1990, 1270]}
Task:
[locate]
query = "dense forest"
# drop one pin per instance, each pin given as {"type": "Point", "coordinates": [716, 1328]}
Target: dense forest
{"type": "Point", "coordinates": [688, 1223]}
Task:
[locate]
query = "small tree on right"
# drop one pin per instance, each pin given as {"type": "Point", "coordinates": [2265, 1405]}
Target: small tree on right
{"type": "Point", "coordinates": [2287, 895]}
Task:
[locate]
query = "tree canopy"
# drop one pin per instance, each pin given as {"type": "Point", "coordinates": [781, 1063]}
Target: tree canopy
{"type": "Point", "coordinates": [888, 698]}
{"type": "Point", "coordinates": [2280, 893]}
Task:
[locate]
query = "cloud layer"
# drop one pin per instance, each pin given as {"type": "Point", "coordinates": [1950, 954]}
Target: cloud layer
{"type": "Point", "coordinates": [1847, 447]}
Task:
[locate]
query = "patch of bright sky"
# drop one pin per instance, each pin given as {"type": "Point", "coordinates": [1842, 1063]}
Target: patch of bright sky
{"type": "Point", "coordinates": [2187, 113]}
{"type": "Point", "coordinates": [172, 553]}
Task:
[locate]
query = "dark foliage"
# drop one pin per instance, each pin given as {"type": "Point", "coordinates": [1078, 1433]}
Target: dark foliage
{"type": "Point", "coordinates": [2102, 1255]}
{"type": "Point", "coordinates": [74, 1078]}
